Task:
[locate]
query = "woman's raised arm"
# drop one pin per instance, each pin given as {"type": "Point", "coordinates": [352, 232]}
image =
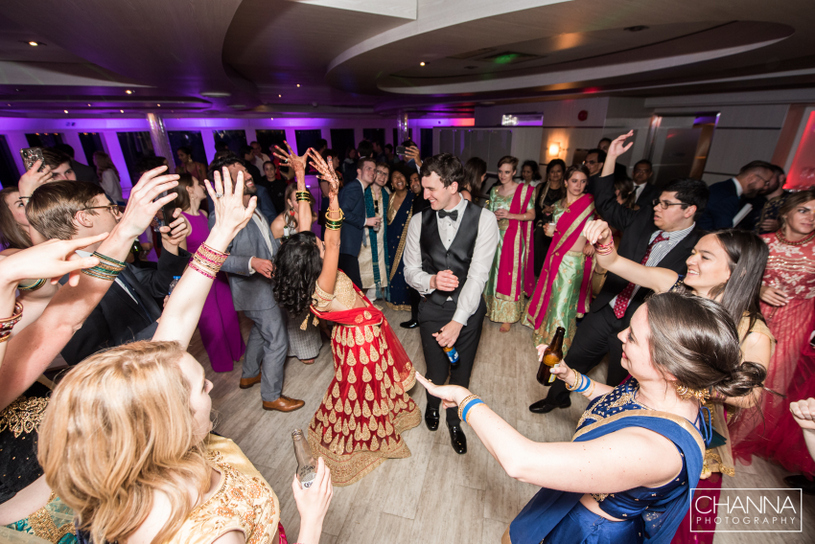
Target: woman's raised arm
{"type": "Point", "coordinates": [657, 279]}
{"type": "Point", "coordinates": [183, 310]}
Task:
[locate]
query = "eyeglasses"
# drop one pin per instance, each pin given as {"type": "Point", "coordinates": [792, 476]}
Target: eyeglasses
{"type": "Point", "coordinates": [112, 208]}
{"type": "Point", "coordinates": [591, 162]}
{"type": "Point", "coordinates": [664, 204]}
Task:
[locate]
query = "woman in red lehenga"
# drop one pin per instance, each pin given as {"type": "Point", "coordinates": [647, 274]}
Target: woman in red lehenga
{"type": "Point", "coordinates": [366, 407]}
{"type": "Point", "coordinates": [788, 304]}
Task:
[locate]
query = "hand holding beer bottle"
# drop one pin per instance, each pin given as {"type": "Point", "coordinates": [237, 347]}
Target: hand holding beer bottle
{"type": "Point", "coordinates": [561, 370]}
{"type": "Point", "coordinates": [550, 356]}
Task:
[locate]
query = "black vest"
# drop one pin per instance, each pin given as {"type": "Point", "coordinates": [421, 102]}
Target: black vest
{"type": "Point", "coordinates": [457, 258]}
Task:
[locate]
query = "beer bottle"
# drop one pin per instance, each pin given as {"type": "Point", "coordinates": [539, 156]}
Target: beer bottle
{"type": "Point", "coordinates": [306, 464]}
{"type": "Point", "coordinates": [551, 356]}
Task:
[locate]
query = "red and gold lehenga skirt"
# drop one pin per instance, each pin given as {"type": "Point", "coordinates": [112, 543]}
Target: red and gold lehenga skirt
{"type": "Point", "coordinates": [366, 408]}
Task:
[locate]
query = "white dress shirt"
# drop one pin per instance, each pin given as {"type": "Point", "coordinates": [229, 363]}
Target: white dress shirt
{"type": "Point", "coordinates": [486, 243]}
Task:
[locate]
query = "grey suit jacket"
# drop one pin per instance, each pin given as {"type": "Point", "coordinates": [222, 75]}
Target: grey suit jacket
{"type": "Point", "coordinates": [250, 291]}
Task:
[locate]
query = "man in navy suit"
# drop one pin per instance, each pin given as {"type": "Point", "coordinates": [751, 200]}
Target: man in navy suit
{"type": "Point", "coordinates": [728, 197]}
{"type": "Point", "coordinates": [352, 203]}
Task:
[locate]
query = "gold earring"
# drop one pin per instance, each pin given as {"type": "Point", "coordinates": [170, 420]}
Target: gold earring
{"type": "Point", "coordinates": [685, 393]}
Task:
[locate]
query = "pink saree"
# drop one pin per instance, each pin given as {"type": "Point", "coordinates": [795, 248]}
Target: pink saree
{"type": "Point", "coordinates": [567, 231]}
{"type": "Point", "coordinates": [518, 235]}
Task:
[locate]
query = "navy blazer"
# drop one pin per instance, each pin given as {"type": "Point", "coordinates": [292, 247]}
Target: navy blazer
{"type": "Point", "coordinates": [637, 227]}
{"type": "Point", "coordinates": [118, 319]}
{"type": "Point", "coordinates": [352, 204]}
{"type": "Point", "coordinates": [722, 206]}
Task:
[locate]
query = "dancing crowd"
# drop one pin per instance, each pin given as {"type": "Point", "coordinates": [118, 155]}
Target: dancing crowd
{"type": "Point", "coordinates": [701, 300]}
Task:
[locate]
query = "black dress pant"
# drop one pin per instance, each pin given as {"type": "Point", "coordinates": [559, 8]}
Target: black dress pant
{"type": "Point", "coordinates": [596, 336]}
{"type": "Point", "coordinates": [433, 317]}
{"type": "Point", "coordinates": [350, 265]}
{"type": "Point", "coordinates": [415, 298]}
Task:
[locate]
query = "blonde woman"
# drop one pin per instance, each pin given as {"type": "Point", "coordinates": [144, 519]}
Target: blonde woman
{"type": "Point", "coordinates": [108, 176]}
{"type": "Point", "coordinates": [134, 475]}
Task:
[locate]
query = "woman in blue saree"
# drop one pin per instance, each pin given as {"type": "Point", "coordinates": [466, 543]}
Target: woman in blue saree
{"type": "Point", "coordinates": [639, 447]}
{"type": "Point", "coordinates": [400, 211]}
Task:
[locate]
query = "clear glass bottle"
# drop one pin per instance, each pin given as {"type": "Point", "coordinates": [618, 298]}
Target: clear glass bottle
{"type": "Point", "coordinates": [306, 464]}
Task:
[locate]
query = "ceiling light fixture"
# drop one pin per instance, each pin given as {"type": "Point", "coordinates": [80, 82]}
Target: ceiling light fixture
{"type": "Point", "coordinates": [554, 149]}
{"type": "Point", "coordinates": [89, 105]}
{"type": "Point", "coordinates": [422, 63]}
{"type": "Point", "coordinates": [158, 105]}
{"type": "Point", "coordinates": [128, 91]}
{"type": "Point", "coordinates": [66, 111]}
{"type": "Point", "coordinates": [215, 94]}
{"type": "Point", "coordinates": [298, 85]}
{"type": "Point", "coordinates": [34, 44]}
{"type": "Point", "coordinates": [121, 111]}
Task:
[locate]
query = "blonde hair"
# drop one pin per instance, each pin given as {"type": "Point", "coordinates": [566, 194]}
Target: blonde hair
{"type": "Point", "coordinates": [118, 429]}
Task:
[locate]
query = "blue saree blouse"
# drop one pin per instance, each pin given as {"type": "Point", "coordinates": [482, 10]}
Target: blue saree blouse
{"type": "Point", "coordinates": [651, 513]}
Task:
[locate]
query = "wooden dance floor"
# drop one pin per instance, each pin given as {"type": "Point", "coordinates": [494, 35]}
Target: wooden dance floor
{"type": "Point", "coordinates": [434, 496]}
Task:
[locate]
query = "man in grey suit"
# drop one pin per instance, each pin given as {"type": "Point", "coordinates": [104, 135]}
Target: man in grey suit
{"type": "Point", "coordinates": [249, 266]}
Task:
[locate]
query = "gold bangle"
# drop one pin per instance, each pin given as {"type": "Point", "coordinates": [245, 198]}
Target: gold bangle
{"type": "Point", "coordinates": [463, 403]}
{"type": "Point", "coordinates": [33, 287]}
{"type": "Point", "coordinates": [591, 389]}
{"type": "Point", "coordinates": [340, 218]}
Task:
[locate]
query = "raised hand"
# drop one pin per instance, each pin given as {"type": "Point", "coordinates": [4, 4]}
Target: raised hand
{"type": "Point", "coordinates": [142, 206]}
{"type": "Point", "coordinates": [176, 232]}
{"type": "Point", "coordinates": [230, 213]}
{"type": "Point", "coordinates": [291, 158]}
{"type": "Point", "coordinates": [327, 173]}
{"type": "Point", "coordinates": [32, 179]}
{"type": "Point", "coordinates": [618, 146]}
{"type": "Point", "coordinates": [597, 231]}
{"type": "Point", "coordinates": [50, 259]}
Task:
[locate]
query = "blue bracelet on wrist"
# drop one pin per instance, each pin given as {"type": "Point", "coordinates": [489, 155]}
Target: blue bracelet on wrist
{"type": "Point", "coordinates": [467, 408]}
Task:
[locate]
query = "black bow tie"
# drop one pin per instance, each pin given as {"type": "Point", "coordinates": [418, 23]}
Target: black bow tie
{"type": "Point", "coordinates": [452, 215]}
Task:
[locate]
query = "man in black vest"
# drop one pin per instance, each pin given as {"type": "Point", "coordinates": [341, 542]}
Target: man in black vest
{"type": "Point", "coordinates": [449, 251]}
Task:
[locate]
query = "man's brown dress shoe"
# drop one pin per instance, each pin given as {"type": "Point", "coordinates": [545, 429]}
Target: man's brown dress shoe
{"type": "Point", "coordinates": [246, 383]}
{"type": "Point", "coordinates": [283, 404]}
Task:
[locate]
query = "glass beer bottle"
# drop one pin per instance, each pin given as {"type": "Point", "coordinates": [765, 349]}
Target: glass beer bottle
{"type": "Point", "coordinates": [551, 356]}
{"type": "Point", "coordinates": [306, 464]}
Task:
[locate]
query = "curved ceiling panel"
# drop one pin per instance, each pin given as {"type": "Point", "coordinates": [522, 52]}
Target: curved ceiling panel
{"type": "Point", "coordinates": [586, 57]}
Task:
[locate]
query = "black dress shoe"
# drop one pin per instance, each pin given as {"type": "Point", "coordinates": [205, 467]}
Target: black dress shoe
{"type": "Point", "coordinates": [458, 439]}
{"type": "Point", "coordinates": [799, 480]}
{"type": "Point", "coordinates": [412, 324]}
{"type": "Point", "coordinates": [431, 418]}
{"type": "Point", "coordinates": [544, 406]}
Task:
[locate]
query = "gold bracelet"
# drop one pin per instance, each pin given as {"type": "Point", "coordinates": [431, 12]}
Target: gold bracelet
{"type": "Point", "coordinates": [32, 287]}
{"type": "Point", "coordinates": [576, 381]}
{"type": "Point", "coordinates": [340, 218]}
{"type": "Point", "coordinates": [591, 390]}
{"type": "Point", "coordinates": [464, 403]}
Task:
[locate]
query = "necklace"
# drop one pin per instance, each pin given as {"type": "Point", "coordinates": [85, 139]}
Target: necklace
{"type": "Point", "coordinates": [781, 238]}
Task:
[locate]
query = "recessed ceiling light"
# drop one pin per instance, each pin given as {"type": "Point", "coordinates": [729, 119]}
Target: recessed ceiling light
{"type": "Point", "coordinates": [158, 105]}
{"type": "Point", "coordinates": [34, 44]}
{"type": "Point", "coordinates": [89, 105]}
{"type": "Point", "coordinates": [298, 85]}
{"type": "Point", "coordinates": [271, 118]}
{"type": "Point", "coordinates": [280, 96]}
{"type": "Point", "coordinates": [421, 63]}
{"type": "Point", "coordinates": [66, 111]}
{"type": "Point", "coordinates": [121, 111]}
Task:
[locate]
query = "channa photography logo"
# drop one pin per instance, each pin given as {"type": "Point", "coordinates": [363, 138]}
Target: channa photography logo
{"type": "Point", "coordinates": [747, 510]}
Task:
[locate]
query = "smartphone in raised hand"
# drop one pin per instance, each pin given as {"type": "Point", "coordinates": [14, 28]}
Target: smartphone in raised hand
{"type": "Point", "coordinates": [31, 155]}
